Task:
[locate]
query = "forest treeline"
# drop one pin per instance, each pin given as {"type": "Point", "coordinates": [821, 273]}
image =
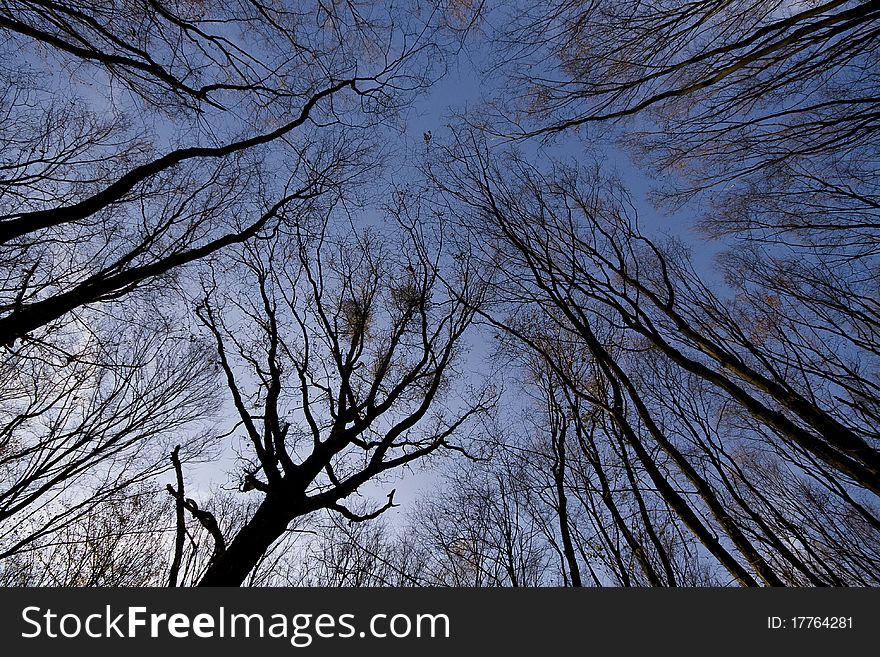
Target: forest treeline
{"type": "Point", "coordinates": [621, 308]}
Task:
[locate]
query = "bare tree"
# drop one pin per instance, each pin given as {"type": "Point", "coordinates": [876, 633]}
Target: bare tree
{"type": "Point", "coordinates": [478, 530]}
{"type": "Point", "coordinates": [140, 139]}
{"type": "Point", "coordinates": [188, 196]}
{"type": "Point", "coordinates": [84, 420]}
{"type": "Point", "coordinates": [119, 543]}
{"type": "Point", "coordinates": [728, 91]}
{"type": "Point", "coordinates": [371, 554]}
{"type": "Point", "coordinates": [765, 112]}
{"type": "Point", "coordinates": [569, 245]}
{"type": "Point", "coordinates": [262, 108]}
{"type": "Point", "coordinates": [339, 365]}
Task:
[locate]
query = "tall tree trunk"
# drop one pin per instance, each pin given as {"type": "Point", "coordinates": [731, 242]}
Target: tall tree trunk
{"type": "Point", "coordinates": [244, 552]}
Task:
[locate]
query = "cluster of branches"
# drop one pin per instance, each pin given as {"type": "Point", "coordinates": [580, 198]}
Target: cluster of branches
{"type": "Point", "coordinates": [198, 257]}
{"type": "Point", "coordinates": [141, 141]}
{"type": "Point", "coordinates": [674, 433]}
{"type": "Point", "coordinates": [715, 407]}
{"type": "Point", "coordinates": [339, 364]}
